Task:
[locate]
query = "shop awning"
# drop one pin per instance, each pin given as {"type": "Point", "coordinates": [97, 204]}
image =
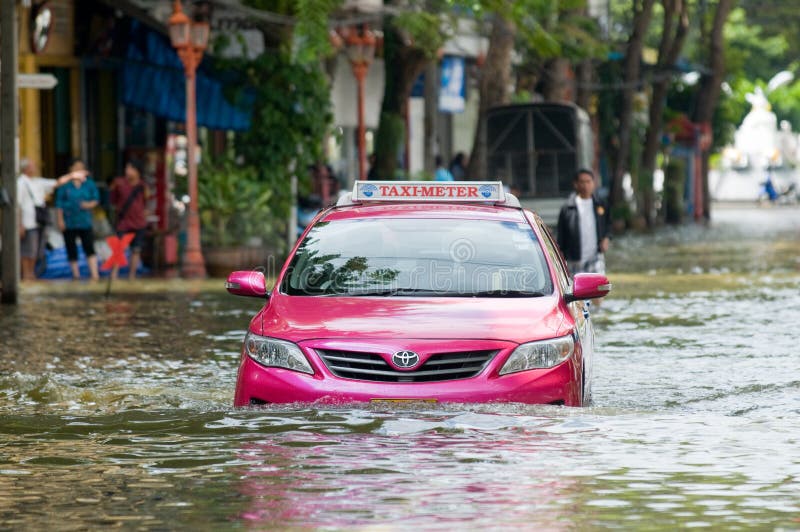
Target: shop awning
{"type": "Point", "coordinates": [153, 80]}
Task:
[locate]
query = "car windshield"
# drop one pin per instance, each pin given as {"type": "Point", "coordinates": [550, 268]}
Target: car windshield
{"type": "Point", "coordinates": [419, 257]}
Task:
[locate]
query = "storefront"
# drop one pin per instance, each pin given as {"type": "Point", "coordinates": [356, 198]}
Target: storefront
{"type": "Point", "coordinates": [50, 129]}
{"type": "Point", "coordinates": [120, 93]}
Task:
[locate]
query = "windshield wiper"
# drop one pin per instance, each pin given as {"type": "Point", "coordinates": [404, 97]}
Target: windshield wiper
{"type": "Point", "coordinates": [388, 292]}
{"type": "Point", "coordinates": [503, 293]}
{"type": "Point", "coordinates": [373, 292]}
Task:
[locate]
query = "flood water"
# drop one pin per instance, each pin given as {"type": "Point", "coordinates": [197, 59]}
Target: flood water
{"type": "Point", "coordinates": [117, 412]}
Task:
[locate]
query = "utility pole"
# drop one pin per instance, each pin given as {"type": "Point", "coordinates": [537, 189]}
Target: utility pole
{"type": "Point", "coordinates": [9, 118]}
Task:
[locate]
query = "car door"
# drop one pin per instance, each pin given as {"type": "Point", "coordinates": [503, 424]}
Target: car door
{"type": "Point", "coordinates": [578, 309]}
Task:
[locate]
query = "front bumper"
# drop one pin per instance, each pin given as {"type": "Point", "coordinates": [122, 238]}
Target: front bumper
{"type": "Point", "coordinates": [561, 384]}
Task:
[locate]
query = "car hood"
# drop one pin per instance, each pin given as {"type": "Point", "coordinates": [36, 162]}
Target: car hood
{"type": "Point", "coordinates": [518, 320]}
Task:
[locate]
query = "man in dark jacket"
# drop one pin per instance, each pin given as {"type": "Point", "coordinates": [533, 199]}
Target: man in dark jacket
{"type": "Point", "coordinates": [583, 227]}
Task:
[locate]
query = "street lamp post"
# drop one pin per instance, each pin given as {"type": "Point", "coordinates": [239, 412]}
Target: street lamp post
{"type": "Point", "coordinates": [190, 40]}
{"type": "Point", "coordinates": [360, 47]}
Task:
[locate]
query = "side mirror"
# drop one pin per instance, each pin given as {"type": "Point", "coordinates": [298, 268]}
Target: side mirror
{"type": "Point", "coordinates": [588, 286]}
{"type": "Point", "coordinates": [247, 283]}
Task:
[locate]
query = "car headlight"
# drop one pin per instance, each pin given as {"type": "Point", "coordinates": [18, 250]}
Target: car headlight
{"type": "Point", "coordinates": [539, 355]}
{"type": "Point", "coordinates": [276, 353]}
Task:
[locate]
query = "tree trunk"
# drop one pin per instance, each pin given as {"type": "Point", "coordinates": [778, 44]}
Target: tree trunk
{"type": "Point", "coordinates": [674, 181]}
{"type": "Point", "coordinates": [673, 37]}
{"type": "Point", "coordinates": [584, 73]}
{"type": "Point", "coordinates": [558, 80]}
{"type": "Point", "coordinates": [643, 11]}
{"type": "Point", "coordinates": [494, 89]}
{"type": "Point", "coordinates": [711, 85]}
{"type": "Point", "coordinates": [402, 63]}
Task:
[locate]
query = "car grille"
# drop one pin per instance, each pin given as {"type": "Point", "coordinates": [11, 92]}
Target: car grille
{"type": "Point", "coordinates": [372, 367]}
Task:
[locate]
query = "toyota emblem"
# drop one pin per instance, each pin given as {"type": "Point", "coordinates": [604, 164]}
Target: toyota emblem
{"type": "Point", "coordinates": [405, 359]}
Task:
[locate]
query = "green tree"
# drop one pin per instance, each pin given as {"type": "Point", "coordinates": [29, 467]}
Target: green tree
{"type": "Point", "coordinates": [713, 27]}
{"type": "Point", "coordinates": [494, 85]}
{"type": "Point", "coordinates": [419, 28]}
{"type": "Point", "coordinates": [776, 19]}
{"type": "Point", "coordinates": [750, 51]}
{"type": "Point", "coordinates": [675, 29]}
{"type": "Point", "coordinates": [555, 37]}
{"type": "Point", "coordinates": [643, 12]}
{"type": "Point", "coordinates": [786, 103]}
{"type": "Point", "coordinates": [291, 111]}
{"type": "Point", "coordinates": [412, 38]}
{"type": "Point", "coordinates": [303, 23]}
{"type": "Point", "coordinates": [545, 31]}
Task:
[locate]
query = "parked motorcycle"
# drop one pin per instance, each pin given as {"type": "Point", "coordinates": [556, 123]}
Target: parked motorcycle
{"type": "Point", "coordinates": [769, 193]}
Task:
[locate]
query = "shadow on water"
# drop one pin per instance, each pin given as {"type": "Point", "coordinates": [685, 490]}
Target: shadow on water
{"type": "Point", "coordinates": [116, 412]}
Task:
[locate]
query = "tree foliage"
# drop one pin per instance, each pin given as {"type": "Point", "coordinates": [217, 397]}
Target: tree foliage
{"type": "Point", "coordinates": [775, 18]}
{"type": "Point", "coordinates": [759, 35]}
{"type": "Point", "coordinates": [785, 102]}
{"type": "Point", "coordinates": [308, 37]}
{"type": "Point", "coordinates": [412, 39]}
{"type": "Point", "coordinates": [311, 41]}
{"type": "Point", "coordinates": [291, 113]}
{"type": "Point", "coordinates": [560, 28]}
{"type": "Point", "coordinates": [291, 118]}
{"type": "Point", "coordinates": [235, 207]}
{"type": "Point", "coordinates": [751, 52]}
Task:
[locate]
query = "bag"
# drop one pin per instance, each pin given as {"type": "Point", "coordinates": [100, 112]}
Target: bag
{"type": "Point", "coordinates": [42, 213]}
{"type": "Point", "coordinates": [42, 216]}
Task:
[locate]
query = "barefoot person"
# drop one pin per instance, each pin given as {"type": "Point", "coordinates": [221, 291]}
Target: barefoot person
{"type": "Point", "coordinates": [74, 203]}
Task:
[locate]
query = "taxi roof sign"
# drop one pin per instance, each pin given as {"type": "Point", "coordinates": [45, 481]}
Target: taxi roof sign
{"type": "Point", "coordinates": [449, 191]}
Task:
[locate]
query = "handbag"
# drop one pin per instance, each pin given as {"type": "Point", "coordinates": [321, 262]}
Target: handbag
{"type": "Point", "coordinates": [42, 212]}
{"type": "Point", "coordinates": [42, 216]}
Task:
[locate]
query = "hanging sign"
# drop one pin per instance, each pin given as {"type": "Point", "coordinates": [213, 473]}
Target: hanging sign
{"type": "Point", "coordinates": [36, 81]}
{"type": "Point", "coordinates": [452, 93]}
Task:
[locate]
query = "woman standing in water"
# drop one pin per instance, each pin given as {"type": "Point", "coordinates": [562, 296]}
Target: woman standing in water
{"type": "Point", "coordinates": [74, 203]}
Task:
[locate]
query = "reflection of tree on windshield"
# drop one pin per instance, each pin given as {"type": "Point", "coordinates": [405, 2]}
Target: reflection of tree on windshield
{"type": "Point", "coordinates": [311, 273]}
{"type": "Point", "coordinates": [355, 266]}
{"type": "Point", "coordinates": [355, 273]}
{"type": "Point", "coordinates": [384, 275]}
{"type": "Point", "coordinates": [320, 275]}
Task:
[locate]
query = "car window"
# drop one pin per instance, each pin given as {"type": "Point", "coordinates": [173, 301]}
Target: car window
{"type": "Point", "coordinates": [410, 256]}
{"type": "Point", "coordinates": [557, 258]}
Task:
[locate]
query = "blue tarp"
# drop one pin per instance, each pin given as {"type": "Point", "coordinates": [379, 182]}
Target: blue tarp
{"type": "Point", "coordinates": [153, 80]}
{"type": "Point", "coordinates": [58, 266]}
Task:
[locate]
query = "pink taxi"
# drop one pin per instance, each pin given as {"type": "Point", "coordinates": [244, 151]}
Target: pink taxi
{"type": "Point", "coordinates": [421, 291]}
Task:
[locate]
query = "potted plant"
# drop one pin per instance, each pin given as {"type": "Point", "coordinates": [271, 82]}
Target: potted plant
{"type": "Point", "coordinates": [239, 229]}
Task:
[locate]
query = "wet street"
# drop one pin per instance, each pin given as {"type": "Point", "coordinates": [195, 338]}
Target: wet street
{"type": "Point", "coordinates": [117, 412]}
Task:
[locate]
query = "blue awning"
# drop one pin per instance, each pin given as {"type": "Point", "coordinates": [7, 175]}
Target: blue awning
{"type": "Point", "coordinates": [153, 80]}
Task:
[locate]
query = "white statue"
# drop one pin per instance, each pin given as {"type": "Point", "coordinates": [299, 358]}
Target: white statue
{"type": "Point", "coordinates": [757, 137]}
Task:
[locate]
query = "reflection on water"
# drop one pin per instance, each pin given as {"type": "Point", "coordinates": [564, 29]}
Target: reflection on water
{"type": "Point", "coordinates": [116, 412]}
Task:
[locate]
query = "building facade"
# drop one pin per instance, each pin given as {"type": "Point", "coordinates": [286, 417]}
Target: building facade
{"type": "Point", "coordinates": [120, 90]}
